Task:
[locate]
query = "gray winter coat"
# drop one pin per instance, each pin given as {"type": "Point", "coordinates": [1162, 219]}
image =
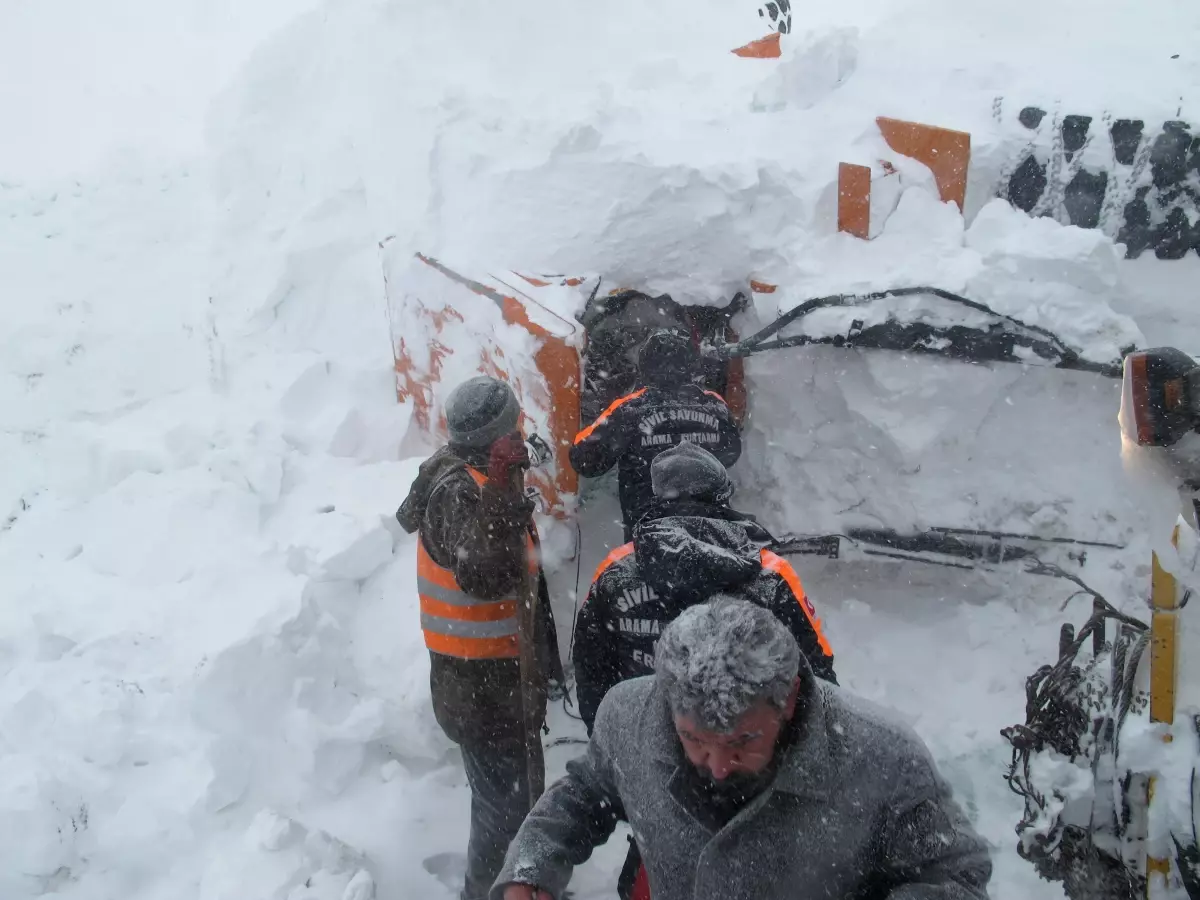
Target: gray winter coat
{"type": "Point", "coordinates": [858, 810]}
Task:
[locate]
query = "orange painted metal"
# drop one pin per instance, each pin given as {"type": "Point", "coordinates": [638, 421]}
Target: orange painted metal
{"type": "Point", "coordinates": [763, 48]}
{"type": "Point", "coordinates": [854, 200]}
{"type": "Point", "coordinates": [557, 362]}
{"type": "Point", "coordinates": [409, 384]}
{"type": "Point", "coordinates": [736, 396]}
{"type": "Point", "coordinates": [735, 390]}
{"type": "Point", "coordinates": [947, 153]}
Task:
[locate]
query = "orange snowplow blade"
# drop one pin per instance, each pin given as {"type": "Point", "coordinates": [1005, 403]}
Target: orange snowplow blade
{"type": "Point", "coordinates": [547, 385]}
{"type": "Point", "coordinates": [854, 200]}
{"type": "Point", "coordinates": [947, 153]}
{"type": "Point", "coordinates": [763, 48]}
{"type": "Point", "coordinates": [448, 326]}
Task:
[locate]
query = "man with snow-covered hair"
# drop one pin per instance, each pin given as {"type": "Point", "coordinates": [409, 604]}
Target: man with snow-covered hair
{"type": "Point", "coordinates": [476, 545]}
{"type": "Point", "coordinates": [668, 408]}
{"type": "Point", "coordinates": [743, 775]}
{"type": "Point", "coordinates": [688, 545]}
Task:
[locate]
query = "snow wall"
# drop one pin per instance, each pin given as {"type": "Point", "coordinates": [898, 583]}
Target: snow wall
{"type": "Point", "coordinates": [214, 684]}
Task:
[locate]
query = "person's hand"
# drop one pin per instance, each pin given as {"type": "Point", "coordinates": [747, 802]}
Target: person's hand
{"type": "Point", "coordinates": [525, 892]}
{"type": "Point", "coordinates": [507, 460]}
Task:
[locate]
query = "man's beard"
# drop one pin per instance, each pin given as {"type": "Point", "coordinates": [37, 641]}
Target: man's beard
{"type": "Point", "coordinates": [737, 788]}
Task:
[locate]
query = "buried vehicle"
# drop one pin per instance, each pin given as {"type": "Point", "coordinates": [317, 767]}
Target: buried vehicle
{"type": "Point", "coordinates": [569, 349]}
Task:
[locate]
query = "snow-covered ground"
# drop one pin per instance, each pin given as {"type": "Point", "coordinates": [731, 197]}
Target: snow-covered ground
{"type": "Point", "coordinates": [212, 683]}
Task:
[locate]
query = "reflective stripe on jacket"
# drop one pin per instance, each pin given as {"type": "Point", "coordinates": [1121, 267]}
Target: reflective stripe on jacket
{"type": "Point", "coordinates": [608, 411]}
{"type": "Point", "coordinates": [457, 624]}
{"type": "Point", "coordinates": [772, 562]}
{"type": "Point", "coordinates": [638, 426]}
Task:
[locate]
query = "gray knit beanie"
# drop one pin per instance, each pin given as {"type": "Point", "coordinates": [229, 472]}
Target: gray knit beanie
{"type": "Point", "coordinates": [481, 410]}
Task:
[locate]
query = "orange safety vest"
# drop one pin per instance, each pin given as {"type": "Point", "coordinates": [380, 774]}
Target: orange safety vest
{"type": "Point", "coordinates": [457, 624]}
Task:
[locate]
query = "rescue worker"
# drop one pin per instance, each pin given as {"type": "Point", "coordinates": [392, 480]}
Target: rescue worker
{"type": "Point", "coordinates": [688, 545]}
{"type": "Point", "coordinates": [747, 777]}
{"type": "Point", "coordinates": [668, 408]}
{"type": "Point", "coordinates": [477, 543]}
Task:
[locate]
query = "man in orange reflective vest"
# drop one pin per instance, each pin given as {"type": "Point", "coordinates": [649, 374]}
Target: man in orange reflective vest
{"type": "Point", "coordinates": [688, 545]}
{"type": "Point", "coordinates": [477, 543]}
{"type": "Point", "coordinates": [667, 409]}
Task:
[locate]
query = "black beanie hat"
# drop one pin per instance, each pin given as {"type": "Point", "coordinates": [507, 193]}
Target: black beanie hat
{"type": "Point", "coordinates": [668, 358]}
{"type": "Point", "coordinates": [688, 471]}
{"type": "Point", "coordinates": [481, 410]}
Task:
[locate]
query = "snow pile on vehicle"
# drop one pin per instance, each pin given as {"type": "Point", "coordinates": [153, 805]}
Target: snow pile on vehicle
{"type": "Point", "coordinates": [912, 442]}
{"type": "Point", "coordinates": [1063, 279]}
{"type": "Point", "coordinates": [661, 171]}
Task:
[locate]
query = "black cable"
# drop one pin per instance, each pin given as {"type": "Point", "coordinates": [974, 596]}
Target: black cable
{"type": "Point", "coordinates": [569, 714]}
{"type": "Point", "coordinates": [1130, 682]}
{"type": "Point", "coordinates": [1067, 602]}
{"type": "Point", "coordinates": [1036, 566]}
{"type": "Point", "coordinates": [1056, 716]}
{"type": "Point", "coordinates": [558, 742]}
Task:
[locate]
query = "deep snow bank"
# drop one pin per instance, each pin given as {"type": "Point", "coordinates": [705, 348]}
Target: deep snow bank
{"type": "Point", "coordinates": [82, 84]}
{"type": "Point", "coordinates": [213, 680]}
{"type": "Point", "coordinates": [647, 152]}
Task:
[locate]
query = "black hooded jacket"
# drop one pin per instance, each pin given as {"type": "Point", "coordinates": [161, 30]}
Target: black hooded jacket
{"type": "Point", "coordinates": [682, 553]}
{"type": "Point", "coordinates": [640, 425]}
{"type": "Point", "coordinates": [478, 533]}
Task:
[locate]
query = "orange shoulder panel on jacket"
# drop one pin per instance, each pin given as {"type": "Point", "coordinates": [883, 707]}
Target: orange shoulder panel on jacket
{"type": "Point", "coordinates": [717, 396]}
{"type": "Point", "coordinates": [773, 562]}
{"type": "Point", "coordinates": [612, 407]}
{"type": "Point", "coordinates": [615, 556]}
